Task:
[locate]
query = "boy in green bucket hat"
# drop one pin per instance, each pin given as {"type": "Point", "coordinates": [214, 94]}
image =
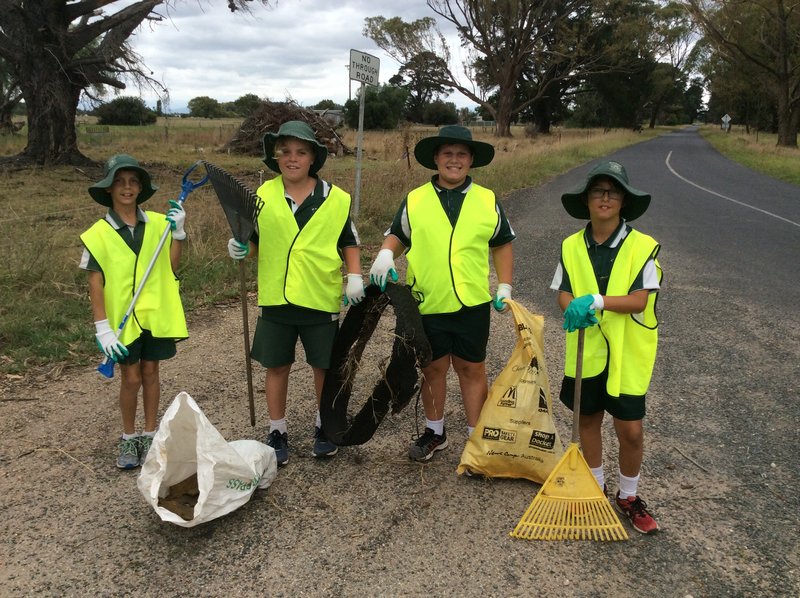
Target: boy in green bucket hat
{"type": "Point", "coordinates": [608, 280]}
{"type": "Point", "coordinates": [304, 234]}
{"type": "Point", "coordinates": [117, 250]}
{"type": "Point", "coordinates": [448, 227]}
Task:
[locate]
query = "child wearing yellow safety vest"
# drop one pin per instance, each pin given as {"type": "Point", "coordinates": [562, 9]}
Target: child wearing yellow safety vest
{"type": "Point", "coordinates": [117, 252]}
{"type": "Point", "coordinates": [448, 229]}
{"type": "Point", "coordinates": [304, 235]}
{"type": "Point", "coordinates": [608, 280]}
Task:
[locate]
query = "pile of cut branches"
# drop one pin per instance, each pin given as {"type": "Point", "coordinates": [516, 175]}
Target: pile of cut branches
{"type": "Point", "coordinates": [268, 118]}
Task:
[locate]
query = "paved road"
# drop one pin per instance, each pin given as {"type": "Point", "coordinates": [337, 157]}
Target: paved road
{"type": "Point", "coordinates": [720, 471]}
{"type": "Point", "coordinates": [723, 414]}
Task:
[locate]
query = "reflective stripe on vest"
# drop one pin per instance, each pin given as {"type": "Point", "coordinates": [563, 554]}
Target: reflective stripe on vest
{"type": "Point", "coordinates": [300, 267]}
{"type": "Point", "coordinates": [448, 267]}
{"type": "Point", "coordinates": [626, 343]}
{"type": "Point", "coordinates": [158, 308]}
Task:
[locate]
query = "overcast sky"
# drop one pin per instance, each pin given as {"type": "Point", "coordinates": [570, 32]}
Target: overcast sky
{"type": "Point", "coordinates": [299, 49]}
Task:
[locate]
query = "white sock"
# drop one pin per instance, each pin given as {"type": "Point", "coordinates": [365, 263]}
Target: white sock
{"type": "Point", "coordinates": [129, 436]}
{"type": "Point", "coordinates": [277, 424]}
{"type": "Point", "coordinates": [470, 429]}
{"type": "Point", "coordinates": [150, 434]}
{"type": "Point", "coordinates": [628, 486]}
{"type": "Point", "coordinates": [599, 475]}
{"type": "Point", "coordinates": [436, 425]}
{"type": "Point", "coordinates": [319, 419]}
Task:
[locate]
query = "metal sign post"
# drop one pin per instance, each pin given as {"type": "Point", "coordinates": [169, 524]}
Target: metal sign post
{"type": "Point", "coordinates": [363, 68]}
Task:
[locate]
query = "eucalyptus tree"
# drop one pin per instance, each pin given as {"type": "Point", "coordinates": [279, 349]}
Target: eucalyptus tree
{"type": "Point", "coordinates": [758, 39]}
{"type": "Point", "coordinates": [59, 49]}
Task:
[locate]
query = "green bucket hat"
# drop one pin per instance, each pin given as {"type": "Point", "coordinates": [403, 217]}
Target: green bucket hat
{"type": "Point", "coordinates": [99, 191]}
{"type": "Point", "coordinates": [482, 153]}
{"type": "Point", "coordinates": [635, 202]}
{"type": "Point", "coordinates": [299, 130]}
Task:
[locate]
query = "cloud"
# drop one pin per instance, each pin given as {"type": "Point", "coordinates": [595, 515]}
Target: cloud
{"type": "Point", "coordinates": [296, 49]}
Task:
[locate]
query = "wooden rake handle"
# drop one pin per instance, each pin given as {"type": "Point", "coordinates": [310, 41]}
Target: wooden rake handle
{"type": "Point", "coordinates": [576, 401]}
{"type": "Point", "coordinates": [246, 334]}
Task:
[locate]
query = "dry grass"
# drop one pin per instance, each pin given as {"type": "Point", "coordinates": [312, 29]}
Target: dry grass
{"type": "Point", "coordinates": [44, 308]}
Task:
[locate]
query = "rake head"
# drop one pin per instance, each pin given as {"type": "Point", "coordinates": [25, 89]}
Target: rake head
{"type": "Point", "coordinates": [570, 506]}
{"type": "Point", "coordinates": [240, 204]}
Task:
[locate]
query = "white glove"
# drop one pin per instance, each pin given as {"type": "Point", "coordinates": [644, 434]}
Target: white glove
{"type": "Point", "coordinates": [354, 291]}
{"type": "Point", "coordinates": [503, 292]}
{"type": "Point", "coordinates": [108, 342]}
{"type": "Point", "coordinates": [382, 269]}
{"type": "Point", "coordinates": [236, 250]}
{"type": "Point", "coordinates": [176, 216]}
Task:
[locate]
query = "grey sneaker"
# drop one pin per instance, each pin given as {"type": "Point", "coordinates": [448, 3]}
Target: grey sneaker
{"type": "Point", "coordinates": [128, 453]}
{"type": "Point", "coordinates": [322, 446]}
{"type": "Point", "coordinates": [145, 442]}
{"type": "Point", "coordinates": [279, 442]}
{"type": "Point", "coordinates": [427, 444]}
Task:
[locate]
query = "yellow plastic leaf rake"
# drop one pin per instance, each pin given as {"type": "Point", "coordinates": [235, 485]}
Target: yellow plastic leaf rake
{"type": "Point", "coordinates": [570, 505]}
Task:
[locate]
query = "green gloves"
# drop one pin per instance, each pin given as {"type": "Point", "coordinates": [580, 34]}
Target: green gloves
{"type": "Point", "coordinates": [383, 269]}
{"type": "Point", "coordinates": [238, 251]}
{"type": "Point", "coordinates": [177, 216]}
{"type": "Point", "coordinates": [108, 342]}
{"type": "Point", "coordinates": [580, 312]}
{"type": "Point", "coordinates": [503, 292]}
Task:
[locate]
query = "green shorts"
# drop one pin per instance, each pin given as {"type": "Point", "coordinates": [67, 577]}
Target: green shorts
{"type": "Point", "coordinates": [464, 333]}
{"type": "Point", "coordinates": [149, 348]}
{"type": "Point", "coordinates": [274, 343]}
{"type": "Point", "coordinates": [595, 398]}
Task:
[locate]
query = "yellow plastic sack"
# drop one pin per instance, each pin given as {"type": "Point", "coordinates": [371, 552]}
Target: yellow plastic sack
{"type": "Point", "coordinates": [515, 436]}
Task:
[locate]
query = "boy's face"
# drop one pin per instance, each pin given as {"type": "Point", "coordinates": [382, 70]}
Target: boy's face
{"type": "Point", "coordinates": [453, 161]}
{"type": "Point", "coordinates": [605, 200]}
{"type": "Point", "coordinates": [294, 157]}
{"type": "Point", "coordinates": [125, 189]}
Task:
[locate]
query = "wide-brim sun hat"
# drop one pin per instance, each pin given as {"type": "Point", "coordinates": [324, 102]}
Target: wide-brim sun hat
{"type": "Point", "coordinates": [99, 191]}
{"type": "Point", "coordinates": [482, 153]}
{"type": "Point", "coordinates": [299, 130]}
{"type": "Point", "coordinates": [635, 202]}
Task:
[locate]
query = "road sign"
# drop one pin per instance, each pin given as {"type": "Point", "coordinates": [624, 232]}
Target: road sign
{"type": "Point", "coordinates": [726, 122]}
{"type": "Point", "coordinates": [364, 67]}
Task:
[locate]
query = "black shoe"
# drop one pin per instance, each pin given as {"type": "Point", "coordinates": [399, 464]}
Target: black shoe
{"type": "Point", "coordinates": [427, 444]}
{"type": "Point", "coordinates": [279, 442]}
{"type": "Point", "coordinates": [322, 446]}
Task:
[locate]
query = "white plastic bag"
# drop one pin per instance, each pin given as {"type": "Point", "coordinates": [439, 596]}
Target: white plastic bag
{"type": "Point", "coordinates": [185, 444]}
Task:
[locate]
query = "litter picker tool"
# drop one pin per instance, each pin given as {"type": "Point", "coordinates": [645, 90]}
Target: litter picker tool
{"type": "Point", "coordinates": [570, 505]}
{"type": "Point", "coordinates": [241, 206]}
{"type": "Point", "coordinates": [187, 186]}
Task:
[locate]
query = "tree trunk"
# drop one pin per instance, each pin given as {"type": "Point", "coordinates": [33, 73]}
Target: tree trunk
{"type": "Point", "coordinates": [542, 116]}
{"type": "Point", "coordinates": [51, 99]}
{"type": "Point", "coordinates": [503, 117]}
{"type": "Point", "coordinates": [788, 120]}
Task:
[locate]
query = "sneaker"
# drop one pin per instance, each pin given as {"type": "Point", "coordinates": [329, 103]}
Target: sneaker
{"type": "Point", "coordinates": [427, 444]}
{"type": "Point", "coordinates": [635, 509]}
{"type": "Point", "coordinates": [322, 446]}
{"type": "Point", "coordinates": [145, 442]}
{"type": "Point", "coordinates": [279, 442]}
{"type": "Point", "coordinates": [128, 453]}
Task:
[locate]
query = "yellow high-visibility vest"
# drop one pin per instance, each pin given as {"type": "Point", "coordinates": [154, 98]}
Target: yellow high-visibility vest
{"type": "Point", "coordinates": [158, 308]}
{"type": "Point", "coordinates": [300, 267]}
{"type": "Point", "coordinates": [626, 343]}
{"type": "Point", "coordinates": [448, 267]}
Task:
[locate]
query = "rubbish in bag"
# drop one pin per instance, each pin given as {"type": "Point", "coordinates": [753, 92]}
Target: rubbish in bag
{"type": "Point", "coordinates": [186, 444]}
{"type": "Point", "coordinates": [182, 497]}
{"type": "Point", "coordinates": [515, 436]}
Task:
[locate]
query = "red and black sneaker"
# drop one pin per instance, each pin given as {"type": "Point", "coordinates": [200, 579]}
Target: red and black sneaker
{"type": "Point", "coordinates": [427, 444]}
{"type": "Point", "coordinates": [635, 509]}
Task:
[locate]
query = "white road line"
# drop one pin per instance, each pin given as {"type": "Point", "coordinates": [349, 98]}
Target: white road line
{"type": "Point", "coordinates": [736, 201]}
